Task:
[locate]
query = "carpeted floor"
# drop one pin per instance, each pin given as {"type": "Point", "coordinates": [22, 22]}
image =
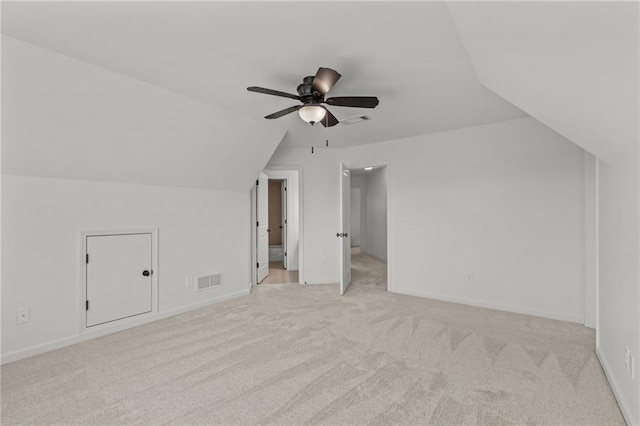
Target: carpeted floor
{"type": "Point", "coordinates": [279, 275]}
{"type": "Point", "coordinates": [290, 354]}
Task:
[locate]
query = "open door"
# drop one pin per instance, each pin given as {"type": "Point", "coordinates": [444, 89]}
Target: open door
{"type": "Point", "coordinates": [262, 223]}
{"type": "Point", "coordinates": [283, 225]}
{"type": "Point", "coordinates": [345, 224]}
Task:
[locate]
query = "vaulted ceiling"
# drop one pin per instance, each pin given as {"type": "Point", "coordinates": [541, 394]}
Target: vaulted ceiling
{"type": "Point", "coordinates": [93, 90]}
{"type": "Point", "coordinates": [408, 54]}
{"type": "Point", "coordinates": [572, 65]}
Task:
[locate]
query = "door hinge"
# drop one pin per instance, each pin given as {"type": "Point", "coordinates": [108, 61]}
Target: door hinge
{"type": "Point", "coordinates": [87, 305]}
{"type": "Point", "coordinates": [257, 265]}
{"type": "Point", "coordinates": [285, 221]}
{"type": "Point", "coordinates": [285, 188]}
{"type": "Point", "coordinates": [87, 258]}
{"type": "Point", "coordinates": [257, 224]}
{"type": "Point", "coordinates": [285, 253]}
{"type": "Point", "coordinates": [257, 182]}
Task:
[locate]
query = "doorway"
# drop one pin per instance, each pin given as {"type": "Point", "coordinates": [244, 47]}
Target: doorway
{"type": "Point", "coordinates": [367, 222]}
{"type": "Point", "coordinates": [276, 217]}
{"type": "Point", "coordinates": [279, 272]}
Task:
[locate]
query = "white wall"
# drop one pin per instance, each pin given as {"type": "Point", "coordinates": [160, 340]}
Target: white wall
{"type": "Point", "coordinates": [574, 66]}
{"type": "Point", "coordinates": [503, 202]}
{"type": "Point", "coordinates": [41, 222]}
{"type": "Point", "coordinates": [320, 180]}
{"type": "Point", "coordinates": [359, 186]}
{"type": "Point", "coordinates": [356, 213]}
{"type": "Point", "coordinates": [293, 214]}
{"type": "Point", "coordinates": [619, 278]}
{"type": "Point", "coordinates": [376, 214]}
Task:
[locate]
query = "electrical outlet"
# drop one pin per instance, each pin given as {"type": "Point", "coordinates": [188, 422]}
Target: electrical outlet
{"type": "Point", "coordinates": [626, 359]}
{"type": "Point", "coordinates": [628, 362]}
{"type": "Point", "coordinates": [188, 282]}
{"type": "Point", "coordinates": [22, 316]}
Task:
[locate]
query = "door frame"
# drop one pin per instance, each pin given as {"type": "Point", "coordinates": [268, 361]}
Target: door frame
{"type": "Point", "coordinates": [377, 164]}
{"type": "Point", "coordinates": [284, 214]}
{"type": "Point", "coordinates": [82, 278]}
{"type": "Point", "coordinates": [279, 172]}
{"type": "Point", "coordinates": [257, 194]}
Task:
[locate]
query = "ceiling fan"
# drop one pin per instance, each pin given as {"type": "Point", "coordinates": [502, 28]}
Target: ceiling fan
{"type": "Point", "coordinates": [311, 93]}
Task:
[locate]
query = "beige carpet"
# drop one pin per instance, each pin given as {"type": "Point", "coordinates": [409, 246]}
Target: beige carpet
{"type": "Point", "coordinates": [290, 354]}
{"type": "Point", "coordinates": [279, 275]}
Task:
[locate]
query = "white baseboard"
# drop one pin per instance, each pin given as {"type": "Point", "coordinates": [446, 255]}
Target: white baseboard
{"type": "Point", "coordinates": [72, 340]}
{"type": "Point", "coordinates": [622, 403]}
{"type": "Point", "coordinates": [481, 304]}
{"type": "Point", "coordinates": [375, 257]}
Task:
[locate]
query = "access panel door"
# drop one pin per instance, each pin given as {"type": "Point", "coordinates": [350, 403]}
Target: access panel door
{"type": "Point", "coordinates": [119, 277]}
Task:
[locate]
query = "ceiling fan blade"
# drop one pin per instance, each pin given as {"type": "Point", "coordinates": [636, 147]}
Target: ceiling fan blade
{"type": "Point", "coordinates": [329, 119]}
{"type": "Point", "coordinates": [283, 112]}
{"type": "Point", "coordinates": [272, 92]}
{"type": "Point", "coordinates": [324, 80]}
{"type": "Point", "coordinates": [354, 101]}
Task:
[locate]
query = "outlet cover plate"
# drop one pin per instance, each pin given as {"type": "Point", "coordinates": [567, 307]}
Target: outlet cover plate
{"type": "Point", "coordinates": [22, 316]}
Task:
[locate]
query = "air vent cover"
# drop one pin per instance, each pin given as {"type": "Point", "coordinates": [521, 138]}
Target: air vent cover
{"type": "Point", "coordinates": [206, 281]}
{"type": "Point", "coordinates": [354, 120]}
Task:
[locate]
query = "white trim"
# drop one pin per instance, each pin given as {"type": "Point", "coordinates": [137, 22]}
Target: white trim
{"type": "Point", "coordinates": [380, 164]}
{"type": "Point", "coordinates": [253, 235]}
{"type": "Point", "coordinates": [82, 290]}
{"type": "Point", "coordinates": [622, 404]}
{"type": "Point", "coordinates": [132, 322]}
{"type": "Point", "coordinates": [597, 254]}
{"type": "Point", "coordinates": [590, 278]}
{"type": "Point", "coordinates": [488, 305]}
{"type": "Point", "coordinates": [272, 171]}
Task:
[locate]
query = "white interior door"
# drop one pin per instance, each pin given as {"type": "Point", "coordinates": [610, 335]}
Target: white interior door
{"type": "Point", "coordinates": [283, 225]}
{"type": "Point", "coordinates": [119, 282]}
{"type": "Point", "coordinates": [262, 198]}
{"type": "Point", "coordinates": [345, 225]}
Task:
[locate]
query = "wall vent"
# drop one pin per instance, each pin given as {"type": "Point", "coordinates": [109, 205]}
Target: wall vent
{"type": "Point", "coordinates": [207, 281]}
{"type": "Point", "coordinates": [354, 120]}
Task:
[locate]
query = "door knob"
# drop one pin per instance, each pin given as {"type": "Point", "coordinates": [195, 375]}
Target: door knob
{"type": "Point", "coordinates": [345, 235]}
{"type": "Point", "coordinates": [146, 273]}
{"type": "Point", "coordinates": [338, 235]}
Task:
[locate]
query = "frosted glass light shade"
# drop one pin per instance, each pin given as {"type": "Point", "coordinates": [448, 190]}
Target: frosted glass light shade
{"type": "Point", "coordinates": [312, 113]}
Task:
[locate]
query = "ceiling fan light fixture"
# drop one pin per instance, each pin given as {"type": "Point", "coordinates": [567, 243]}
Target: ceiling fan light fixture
{"type": "Point", "coordinates": [312, 113]}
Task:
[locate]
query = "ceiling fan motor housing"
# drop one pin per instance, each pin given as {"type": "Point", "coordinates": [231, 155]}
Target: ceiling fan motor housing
{"type": "Point", "coordinates": [306, 92]}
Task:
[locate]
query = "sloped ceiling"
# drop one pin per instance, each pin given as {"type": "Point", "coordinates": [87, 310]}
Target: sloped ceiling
{"type": "Point", "coordinates": [64, 118]}
{"type": "Point", "coordinates": [572, 65]}
{"type": "Point", "coordinates": [407, 54]}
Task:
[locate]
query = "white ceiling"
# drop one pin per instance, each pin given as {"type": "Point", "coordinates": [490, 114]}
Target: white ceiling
{"type": "Point", "coordinates": [572, 65]}
{"type": "Point", "coordinates": [408, 54]}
